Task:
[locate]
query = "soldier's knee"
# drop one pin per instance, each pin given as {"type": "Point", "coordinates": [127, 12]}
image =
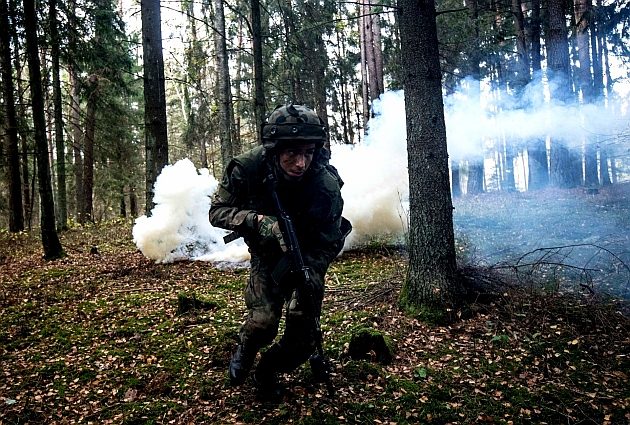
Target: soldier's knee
{"type": "Point", "coordinates": [262, 325]}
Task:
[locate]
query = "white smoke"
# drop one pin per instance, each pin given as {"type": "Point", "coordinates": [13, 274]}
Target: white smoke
{"type": "Point", "coordinates": [178, 227]}
{"type": "Point", "coordinates": [375, 172]}
{"type": "Point", "coordinates": [477, 120]}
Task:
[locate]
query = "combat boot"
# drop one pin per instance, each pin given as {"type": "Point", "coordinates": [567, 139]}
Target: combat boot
{"type": "Point", "coordinates": [266, 376]}
{"type": "Point", "coordinates": [241, 363]}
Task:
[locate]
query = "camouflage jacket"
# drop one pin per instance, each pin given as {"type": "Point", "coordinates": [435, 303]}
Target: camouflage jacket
{"type": "Point", "coordinates": [314, 204]}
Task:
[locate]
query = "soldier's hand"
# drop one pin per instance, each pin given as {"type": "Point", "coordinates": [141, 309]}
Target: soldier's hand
{"type": "Point", "coordinates": [269, 228]}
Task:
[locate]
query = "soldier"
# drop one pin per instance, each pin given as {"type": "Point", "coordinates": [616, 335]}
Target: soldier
{"type": "Point", "coordinates": [309, 190]}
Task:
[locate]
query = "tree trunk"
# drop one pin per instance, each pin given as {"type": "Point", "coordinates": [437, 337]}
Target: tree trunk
{"type": "Point", "coordinates": [509, 182]}
{"type": "Point", "coordinates": [76, 130]}
{"type": "Point", "coordinates": [474, 185]}
{"type": "Point", "coordinates": [565, 167]}
{"type": "Point", "coordinates": [596, 54]}
{"type": "Point", "coordinates": [456, 188]}
{"type": "Point", "coordinates": [604, 170]}
{"type": "Point", "coordinates": [156, 141]}
{"type": "Point", "coordinates": [585, 80]}
{"type": "Point", "coordinates": [475, 165]}
{"type": "Point", "coordinates": [133, 202]}
{"type": "Point", "coordinates": [535, 38]}
{"type": "Point", "coordinates": [364, 72]}
{"type": "Point", "coordinates": [237, 87]}
{"type": "Point", "coordinates": [582, 10]}
{"type": "Point", "coordinates": [27, 193]}
{"type": "Point", "coordinates": [259, 93]}
{"type": "Point", "coordinates": [226, 116]}
{"type": "Point", "coordinates": [538, 165]}
{"type": "Point", "coordinates": [62, 201]}
{"type": "Point", "coordinates": [16, 211]}
{"type": "Point", "coordinates": [50, 239]}
{"type": "Point", "coordinates": [373, 53]}
{"type": "Point", "coordinates": [88, 150]}
{"type": "Point", "coordinates": [591, 178]}
{"type": "Point", "coordinates": [377, 45]}
{"type": "Point", "coordinates": [431, 277]}
{"type": "Point", "coordinates": [319, 63]}
{"type": "Point", "coordinates": [558, 52]}
{"type": "Point", "coordinates": [522, 68]}
{"type": "Point", "coordinates": [77, 143]}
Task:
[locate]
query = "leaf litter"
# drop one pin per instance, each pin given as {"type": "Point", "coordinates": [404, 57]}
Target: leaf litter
{"type": "Point", "coordinates": [97, 338]}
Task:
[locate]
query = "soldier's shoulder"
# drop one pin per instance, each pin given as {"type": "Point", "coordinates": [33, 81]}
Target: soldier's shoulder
{"type": "Point", "coordinates": [251, 160]}
{"type": "Point", "coordinates": [328, 179]}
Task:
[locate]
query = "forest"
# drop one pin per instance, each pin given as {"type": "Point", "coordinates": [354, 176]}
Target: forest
{"type": "Point", "coordinates": [503, 124]}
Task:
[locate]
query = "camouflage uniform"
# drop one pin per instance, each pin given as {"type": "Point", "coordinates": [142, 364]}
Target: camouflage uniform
{"type": "Point", "coordinates": [314, 204]}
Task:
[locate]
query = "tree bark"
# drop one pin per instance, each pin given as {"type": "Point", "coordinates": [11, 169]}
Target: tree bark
{"type": "Point", "coordinates": [27, 193]}
{"type": "Point", "coordinates": [432, 264]}
{"type": "Point", "coordinates": [88, 150]}
{"type": "Point", "coordinates": [364, 72]}
{"type": "Point", "coordinates": [50, 239]}
{"type": "Point", "coordinates": [604, 168]}
{"type": "Point", "coordinates": [77, 142]}
{"type": "Point", "coordinates": [62, 199]}
{"type": "Point", "coordinates": [535, 38]}
{"type": "Point", "coordinates": [259, 93]}
{"type": "Point", "coordinates": [226, 115]}
{"type": "Point", "coordinates": [537, 165]}
{"type": "Point", "coordinates": [373, 53]}
{"type": "Point", "coordinates": [474, 185]}
{"type": "Point", "coordinates": [522, 69]}
{"type": "Point", "coordinates": [75, 121]}
{"type": "Point", "coordinates": [558, 51]}
{"type": "Point", "coordinates": [318, 58]}
{"type": "Point", "coordinates": [582, 17]}
{"type": "Point", "coordinates": [565, 166]}
{"type": "Point", "coordinates": [156, 141]}
{"type": "Point", "coordinates": [509, 182]}
{"type": "Point", "coordinates": [16, 211]}
{"type": "Point", "coordinates": [582, 10]}
{"type": "Point", "coordinates": [596, 54]}
{"type": "Point", "coordinates": [456, 188]}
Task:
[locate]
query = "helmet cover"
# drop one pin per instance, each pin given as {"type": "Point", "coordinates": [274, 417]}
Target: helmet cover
{"type": "Point", "coordinates": [293, 124]}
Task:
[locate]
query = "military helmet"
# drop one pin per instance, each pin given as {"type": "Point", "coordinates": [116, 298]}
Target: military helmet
{"type": "Point", "coordinates": [293, 124]}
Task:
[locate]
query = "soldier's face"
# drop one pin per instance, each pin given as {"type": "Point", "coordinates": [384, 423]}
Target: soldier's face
{"type": "Point", "coordinates": [295, 160]}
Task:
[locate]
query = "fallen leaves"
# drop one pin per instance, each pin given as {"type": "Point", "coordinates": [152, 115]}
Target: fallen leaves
{"type": "Point", "coordinates": [89, 339]}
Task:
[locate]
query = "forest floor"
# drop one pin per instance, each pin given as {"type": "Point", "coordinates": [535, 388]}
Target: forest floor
{"type": "Point", "coordinates": [100, 337]}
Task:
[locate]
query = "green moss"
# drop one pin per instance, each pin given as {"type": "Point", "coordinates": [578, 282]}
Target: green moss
{"type": "Point", "coordinates": [360, 370]}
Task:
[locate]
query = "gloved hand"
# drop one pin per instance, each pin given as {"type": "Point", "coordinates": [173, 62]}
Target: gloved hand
{"type": "Point", "coordinates": [269, 228]}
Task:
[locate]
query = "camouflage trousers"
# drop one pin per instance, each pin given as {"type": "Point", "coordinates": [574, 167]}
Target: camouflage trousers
{"type": "Point", "coordinates": [265, 302]}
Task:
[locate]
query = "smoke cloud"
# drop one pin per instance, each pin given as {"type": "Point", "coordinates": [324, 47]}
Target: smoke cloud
{"type": "Point", "coordinates": [178, 228]}
{"type": "Point", "coordinates": [375, 171]}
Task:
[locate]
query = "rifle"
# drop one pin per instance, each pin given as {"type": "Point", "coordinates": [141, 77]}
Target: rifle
{"type": "Point", "coordinates": [319, 363]}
